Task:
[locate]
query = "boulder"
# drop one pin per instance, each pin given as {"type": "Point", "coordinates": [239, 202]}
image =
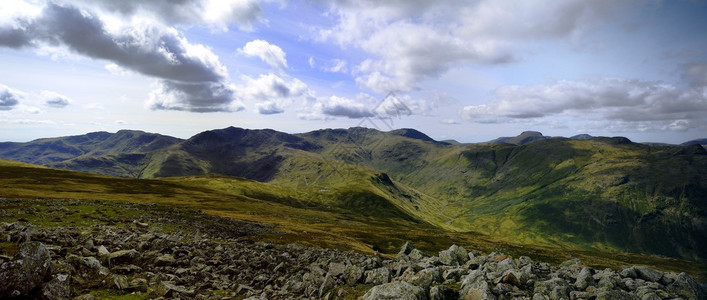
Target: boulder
{"type": "Point", "coordinates": [353, 274]}
{"type": "Point", "coordinates": [441, 292]}
{"type": "Point", "coordinates": [57, 288]}
{"type": "Point", "coordinates": [648, 274]}
{"type": "Point", "coordinates": [454, 256]}
{"type": "Point", "coordinates": [584, 279]}
{"type": "Point", "coordinates": [405, 249]}
{"type": "Point", "coordinates": [123, 256]}
{"type": "Point", "coordinates": [398, 290]}
{"type": "Point", "coordinates": [378, 276]}
{"type": "Point", "coordinates": [685, 286]}
{"type": "Point", "coordinates": [25, 271]}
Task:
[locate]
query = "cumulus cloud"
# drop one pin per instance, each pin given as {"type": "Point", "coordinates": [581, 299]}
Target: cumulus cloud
{"type": "Point", "coordinates": [328, 107]}
{"type": "Point", "coordinates": [189, 76]}
{"type": "Point", "coordinates": [9, 98]}
{"type": "Point", "coordinates": [271, 93]}
{"type": "Point", "coordinates": [414, 40]}
{"type": "Point", "coordinates": [269, 108]}
{"type": "Point", "coordinates": [622, 100]}
{"type": "Point", "coordinates": [269, 53]}
{"type": "Point", "coordinates": [194, 97]}
{"type": "Point", "coordinates": [55, 100]}
{"type": "Point", "coordinates": [217, 14]}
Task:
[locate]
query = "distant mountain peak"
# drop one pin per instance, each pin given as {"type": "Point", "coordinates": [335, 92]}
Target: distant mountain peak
{"type": "Point", "coordinates": [524, 138]}
{"type": "Point", "coordinates": [412, 133]}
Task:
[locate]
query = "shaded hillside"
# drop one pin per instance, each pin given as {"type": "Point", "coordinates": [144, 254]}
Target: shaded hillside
{"type": "Point", "coordinates": [124, 153]}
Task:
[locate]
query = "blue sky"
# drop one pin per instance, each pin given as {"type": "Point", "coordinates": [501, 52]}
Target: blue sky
{"type": "Point", "coordinates": [465, 70]}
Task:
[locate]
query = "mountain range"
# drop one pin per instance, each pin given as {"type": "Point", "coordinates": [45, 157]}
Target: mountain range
{"type": "Point", "coordinates": [584, 192]}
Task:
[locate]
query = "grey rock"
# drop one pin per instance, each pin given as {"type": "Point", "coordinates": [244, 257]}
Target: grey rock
{"type": "Point", "coordinates": [123, 256]}
{"type": "Point", "coordinates": [685, 286]}
{"type": "Point", "coordinates": [629, 272]}
{"type": "Point", "coordinates": [25, 271]}
{"type": "Point", "coordinates": [336, 269]}
{"type": "Point", "coordinates": [398, 290]}
{"type": "Point", "coordinates": [327, 285]}
{"type": "Point", "coordinates": [648, 274]}
{"type": "Point", "coordinates": [378, 276]}
{"type": "Point", "coordinates": [406, 249]}
{"type": "Point", "coordinates": [584, 279]}
{"type": "Point", "coordinates": [417, 254]}
{"type": "Point", "coordinates": [477, 294]}
{"type": "Point", "coordinates": [353, 274]}
{"type": "Point", "coordinates": [58, 288]}
{"type": "Point", "coordinates": [615, 295]}
{"type": "Point", "coordinates": [454, 256]}
{"type": "Point", "coordinates": [165, 260]}
{"type": "Point", "coordinates": [441, 292]}
{"type": "Point", "coordinates": [88, 271]}
{"type": "Point", "coordinates": [425, 278]}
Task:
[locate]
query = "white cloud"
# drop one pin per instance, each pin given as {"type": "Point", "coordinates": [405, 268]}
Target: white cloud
{"type": "Point", "coordinates": [117, 70]}
{"type": "Point", "coordinates": [627, 101]}
{"type": "Point", "coordinates": [185, 71]}
{"type": "Point", "coordinates": [55, 100]}
{"type": "Point", "coordinates": [270, 54]}
{"type": "Point", "coordinates": [411, 41]}
{"type": "Point", "coordinates": [336, 66]}
{"type": "Point", "coordinates": [271, 93]}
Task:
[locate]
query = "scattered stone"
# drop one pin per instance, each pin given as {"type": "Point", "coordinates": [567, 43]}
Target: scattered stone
{"type": "Point", "coordinates": [207, 264]}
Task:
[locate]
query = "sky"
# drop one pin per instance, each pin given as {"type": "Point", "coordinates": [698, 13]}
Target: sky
{"type": "Point", "coordinates": [457, 69]}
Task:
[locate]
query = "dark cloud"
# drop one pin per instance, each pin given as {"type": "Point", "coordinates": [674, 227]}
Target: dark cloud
{"type": "Point", "coordinates": [612, 99]}
{"type": "Point", "coordinates": [8, 98]}
{"type": "Point", "coordinates": [194, 97]}
{"type": "Point", "coordinates": [214, 13]}
{"type": "Point", "coordinates": [185, 71]}
{"type": "Point", "coordinates": [342, 107]}
{"type": "Point", "coordinates": [55, 100]}
{"type": "Point", "coordinates": [269, 108]}
{"type": "Point", "coordinates": [14, 38]}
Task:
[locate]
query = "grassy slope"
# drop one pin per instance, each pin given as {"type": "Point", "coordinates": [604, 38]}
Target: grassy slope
{"type": "Point", "coordinates": [600, 194]}
{"type": "Point", "coordinates": [292, 213]}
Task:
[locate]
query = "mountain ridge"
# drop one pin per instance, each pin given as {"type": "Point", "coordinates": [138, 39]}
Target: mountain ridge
{"type": "Point", "coordinates": [582, 192]}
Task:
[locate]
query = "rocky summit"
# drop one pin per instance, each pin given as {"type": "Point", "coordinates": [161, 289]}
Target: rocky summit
{"type": "Point", "coordinates": [146, 261]}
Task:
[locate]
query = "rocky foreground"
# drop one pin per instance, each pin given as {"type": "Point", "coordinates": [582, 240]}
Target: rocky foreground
{"type": "Point", "coordinates": [221, 263]}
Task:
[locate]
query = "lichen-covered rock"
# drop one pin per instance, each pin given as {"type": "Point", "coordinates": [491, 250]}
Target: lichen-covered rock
{"type": "Point", "coordinates": [25, 271]}
{"type": "Point", "coordinates": [58, 288]}
{"type": "Point", "coordinates": [454, 256]}
{"type": "Point", "coordinates": [648, 274]}
{"type": "Point", "coordinates": [442, 292]}
{"type": "Point", "coordinates": [398, 290]}
{"type": "Point", "coordinates": [584, 279]}
{"type": "Point", "coordinates": [378, 276]}
{"type": "Point", "coordinates": [685, 286]}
